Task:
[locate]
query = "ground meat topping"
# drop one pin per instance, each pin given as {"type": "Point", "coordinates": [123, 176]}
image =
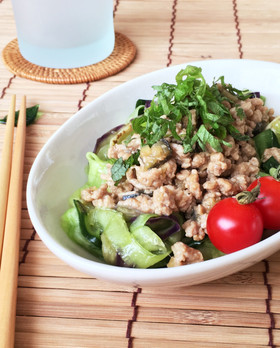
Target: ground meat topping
{"type": "Point", "coordinates": [125, 151]}
{"type": "Point", "coordinates": [189, 183]}
{"type": "Point", "coordinates": [240, 182]}
{"type": "Point", "coordinates": [193, 230]}
{"type": "Point", "coordinates": [271, 152]}
{"type": "Point", "coordinates": [99, 197]}
{"type": "Point", "coordinates": [210, 199]}
{"type": "Point", "coordinates": [249, 168]}
{"type": "Point", "coordinates": [247, 150]}
{"type": "Point", "coordinates": [190, 180]}
{"type": "Point", "coordinates": [232, 151]}
{"type": "Point", "coordinates": [141, 204]}
{"type": "Point", "coordinates": [225, 186]}
{"type": "Point", "coordinates": [218, 164]}
{"type": "Point", "coordinates": [152, 178]}
{"type": "Point", "coordinates": [184, 255]}
{"type": "Point", "coordinates": [164, 200]}
{"type": "Point", "coordinates": [93, 193]}
{"type": "Point", "coordinates": [183, 159]}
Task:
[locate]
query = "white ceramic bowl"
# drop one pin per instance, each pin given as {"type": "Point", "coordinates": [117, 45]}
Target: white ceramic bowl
{"type": "Point", "coordinates": [59, 170]}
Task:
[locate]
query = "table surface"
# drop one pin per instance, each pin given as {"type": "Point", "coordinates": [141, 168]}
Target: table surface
{"type": "Point", "coordinates": [60, 307]}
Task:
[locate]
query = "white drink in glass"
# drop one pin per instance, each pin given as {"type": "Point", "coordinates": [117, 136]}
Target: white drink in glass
{"type": "Point", "coordinates": [64, 33]}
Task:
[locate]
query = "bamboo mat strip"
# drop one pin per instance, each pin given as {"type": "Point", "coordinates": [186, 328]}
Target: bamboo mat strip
{"type": "Point", "coordinates": [92, 328]}
{"type": "Point", "coordinates": [23, 340]}
{"type": "Point", "coordinates": [243, 337]}
{"type": "Point", "coordinates": [61, 307]}
{"type": "Point", "coordinates": [183, 301]}
{"type": "Point", "coordinates": [143, 343]}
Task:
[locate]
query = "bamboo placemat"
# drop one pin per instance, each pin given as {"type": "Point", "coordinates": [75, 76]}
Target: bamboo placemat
{"type": "Point", "coordinates": [60, 307]}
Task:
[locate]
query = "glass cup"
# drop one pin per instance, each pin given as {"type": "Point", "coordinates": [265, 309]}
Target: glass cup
{"type": "Point", "coordinates": [64, 33]}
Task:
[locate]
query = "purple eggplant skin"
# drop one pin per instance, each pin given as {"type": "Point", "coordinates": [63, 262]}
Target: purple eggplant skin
{"type": "Point", "coordinates": [105, 137]}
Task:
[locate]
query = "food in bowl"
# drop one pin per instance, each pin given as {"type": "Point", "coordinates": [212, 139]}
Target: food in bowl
{"type": "Point", "coordinates": [153, 181]}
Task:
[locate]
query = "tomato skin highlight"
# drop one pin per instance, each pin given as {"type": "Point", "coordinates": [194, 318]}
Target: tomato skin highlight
{"type": "Point", "coordinates": [232, 226]}
{"type": "Point", "coordinates": [268, 201]}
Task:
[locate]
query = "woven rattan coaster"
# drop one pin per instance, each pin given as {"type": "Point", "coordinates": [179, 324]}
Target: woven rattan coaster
{"type": "Point", "coordinates": [122, 55]}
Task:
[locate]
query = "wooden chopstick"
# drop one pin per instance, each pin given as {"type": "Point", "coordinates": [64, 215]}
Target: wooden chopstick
{"type": "Point", "coordinates": [10, 252]}
{"type": "Point", "coordinates": [5, 170]}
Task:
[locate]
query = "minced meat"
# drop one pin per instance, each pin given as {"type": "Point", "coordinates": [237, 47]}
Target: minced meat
{"type": "Point", "coordinates": [190, 183]}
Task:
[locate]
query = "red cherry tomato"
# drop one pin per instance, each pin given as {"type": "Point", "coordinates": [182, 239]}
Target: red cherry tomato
{"type": "Point", "coordinates": [232, 226]}
{"type": "Point", "coordinates": [268, 201]}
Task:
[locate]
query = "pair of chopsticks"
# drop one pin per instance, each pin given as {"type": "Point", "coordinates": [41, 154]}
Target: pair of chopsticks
{"type": "Point", "coordinates": [11, 178]}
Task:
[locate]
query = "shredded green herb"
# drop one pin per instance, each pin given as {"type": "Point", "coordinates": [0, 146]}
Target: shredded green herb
{"type": "Point", "coordinates": [121, 166]}
{"type": "Point", "coordinates": [191, 92]}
